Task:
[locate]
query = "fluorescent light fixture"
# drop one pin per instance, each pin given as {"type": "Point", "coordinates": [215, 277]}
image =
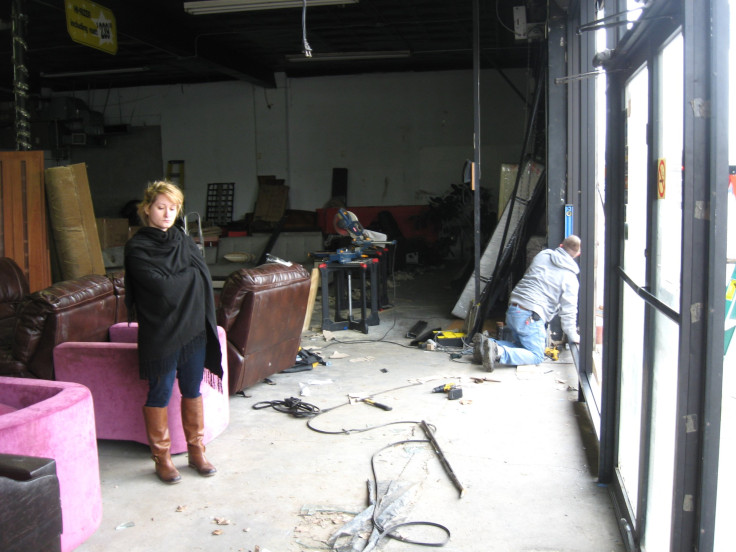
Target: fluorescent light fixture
{"type": "Point", "coordinates": [202, 7]}
{"type": "Point", "coordinates": [351, 56]}
{"type": "Point", "coordinates": [92, 73]}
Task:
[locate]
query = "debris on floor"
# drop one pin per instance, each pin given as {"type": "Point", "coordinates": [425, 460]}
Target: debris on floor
{"type": "Point", "coordinates": [397, 499]}
{"type": "Point", "coordinates": [315, 528]}
{"type": "Point", "coordinates": [305, 386]}
{"type": "Point", "coordinates": [481, 380]}
{"type": "Point", "coordinates": [125, 525]}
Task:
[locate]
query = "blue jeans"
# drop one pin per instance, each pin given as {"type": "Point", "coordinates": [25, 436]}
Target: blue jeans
{"type": "Point", "coordinates": [189, 370]}
{"type": "Point", "coordinates": [529, 338]}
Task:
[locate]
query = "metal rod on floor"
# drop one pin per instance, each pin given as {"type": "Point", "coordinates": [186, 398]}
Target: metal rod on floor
{"type": "Point", "coordinates": [443, 460]}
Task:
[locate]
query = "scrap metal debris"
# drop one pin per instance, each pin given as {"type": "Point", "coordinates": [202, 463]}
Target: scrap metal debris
{"type": "Point", "coordinates": [397, 498]}
{"type": "Point", "coordinates": [363, 359]}
{"type": "Point", "coordinates": [125, 525]}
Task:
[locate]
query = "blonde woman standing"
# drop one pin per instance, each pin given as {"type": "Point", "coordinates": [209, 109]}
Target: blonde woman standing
{"type": "Point", "coordinates": [168, 290]}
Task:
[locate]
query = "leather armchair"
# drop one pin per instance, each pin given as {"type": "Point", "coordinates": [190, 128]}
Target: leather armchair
{"type": "Point", "coordinates": [262, 310]}
{"type": "Point", "coordinates": [81, 309]}
{"type": "Point", "coordinates": [30, 512]}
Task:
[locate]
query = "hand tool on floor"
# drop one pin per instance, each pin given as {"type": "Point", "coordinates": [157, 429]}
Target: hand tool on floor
{"type": "Point", "coordinates": [452, 390]}
{"type": "Point", "coordinates": [353, 398]}
{"type": "Point", "coordinates": [443, 460]}
{"type": "Point", "coordinates": [552, 352]}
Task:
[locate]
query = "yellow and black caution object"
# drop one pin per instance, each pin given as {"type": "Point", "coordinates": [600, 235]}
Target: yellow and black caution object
{"type": "Point", "coordinates": [449, 339]}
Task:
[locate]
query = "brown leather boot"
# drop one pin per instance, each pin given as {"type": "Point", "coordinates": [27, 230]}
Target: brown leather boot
{"type": "Point", "coordinates": [157, 429]}
{"type": "Point", "coordinates": [192, 419]}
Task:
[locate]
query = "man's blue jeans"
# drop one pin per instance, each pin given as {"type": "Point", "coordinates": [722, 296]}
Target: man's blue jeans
{"type": "Point", "coordinates": [189, 371]}
{"type": "Point", "coordinates": [529, 338]}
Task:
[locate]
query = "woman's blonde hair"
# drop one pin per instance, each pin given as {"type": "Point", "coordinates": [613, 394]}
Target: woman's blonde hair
{"type": "Point", "coordinates": [170, 190]}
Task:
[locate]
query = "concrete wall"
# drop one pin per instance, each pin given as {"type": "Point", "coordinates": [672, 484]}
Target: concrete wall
{"type": "Point", "coordinates": [403, 137]}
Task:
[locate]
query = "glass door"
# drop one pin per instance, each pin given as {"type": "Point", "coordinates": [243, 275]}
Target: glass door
{"type": "Point", "coordinates": [662, 418]}
{"type": "Point", "coordinates": [650, 274]}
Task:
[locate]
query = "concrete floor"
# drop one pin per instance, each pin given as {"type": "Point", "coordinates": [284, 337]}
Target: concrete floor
{"type": "Point", "coordinates": [516, 442]}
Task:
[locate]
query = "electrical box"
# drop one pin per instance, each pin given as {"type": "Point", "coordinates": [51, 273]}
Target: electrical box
{"type": "Point", "coordinates": [520, 23]}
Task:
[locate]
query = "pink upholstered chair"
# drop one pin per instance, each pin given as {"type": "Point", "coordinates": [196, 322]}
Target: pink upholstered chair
{"type": "Point", "coordinates": [54, 419]}
{"type": "Point", "coordinates": [110, 371]}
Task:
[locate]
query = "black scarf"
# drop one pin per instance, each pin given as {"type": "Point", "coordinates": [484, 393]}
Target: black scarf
{"type": "Point", "coordinates": [168, 290]}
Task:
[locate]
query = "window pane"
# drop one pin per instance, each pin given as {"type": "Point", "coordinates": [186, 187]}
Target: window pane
{"type": "Point", "coordinates": [664, 415]}
{"type": "Point", "coordinates": [632, 359]}
{"type": "Point", "coordinates": [635, 239]}
{"type": "Point", "coordinates": [635, 230]}
{"type": "Point", "coordinates": [668, 204]}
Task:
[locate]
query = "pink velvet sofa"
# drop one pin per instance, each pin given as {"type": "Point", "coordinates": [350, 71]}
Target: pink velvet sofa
{"type": "Point", "coordinates": [110, 371]}
{"type": "Point", "coordinates": [54, 419]}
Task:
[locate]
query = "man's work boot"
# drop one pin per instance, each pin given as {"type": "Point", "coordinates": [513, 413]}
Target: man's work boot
{"type": "Point", "coordinates": [490, 354]}
{"type": "Point", "coordinates": [157, 429]}
{"type": "Point", "coordinates": [192, 419]}
{"type": "Point", "coordinates": [477, 342]}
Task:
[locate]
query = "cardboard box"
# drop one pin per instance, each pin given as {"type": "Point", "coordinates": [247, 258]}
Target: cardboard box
{"type": "Point", "coordinates": [113, 232]}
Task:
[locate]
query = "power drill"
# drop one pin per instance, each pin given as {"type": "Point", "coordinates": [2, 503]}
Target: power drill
{"type": "Point", "coordinates": [552, 352]}
{"type": "Point", "coordinates": [453, 391]}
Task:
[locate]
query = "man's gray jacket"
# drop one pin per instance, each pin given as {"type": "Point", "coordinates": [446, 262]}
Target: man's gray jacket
{"type": "Point", "coordinates": [550, 286]}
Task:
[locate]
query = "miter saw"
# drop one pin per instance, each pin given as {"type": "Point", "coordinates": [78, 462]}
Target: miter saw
{"type": "Point", "coordinates": [346, 223]}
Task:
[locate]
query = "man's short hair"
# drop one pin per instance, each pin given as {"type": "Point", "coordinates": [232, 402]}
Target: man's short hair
{"type": "Point", "coordinates": [571, 244]}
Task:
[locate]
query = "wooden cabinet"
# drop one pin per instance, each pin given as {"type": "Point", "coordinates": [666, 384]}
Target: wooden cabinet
{"type": "Point", "coordinates": [23, 227]}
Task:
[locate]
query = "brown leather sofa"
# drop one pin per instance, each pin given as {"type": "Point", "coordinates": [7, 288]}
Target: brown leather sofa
{"type": "Point", "coordinates": [262, 310]}
{"type": "Point", "coordinates": [31, 325]}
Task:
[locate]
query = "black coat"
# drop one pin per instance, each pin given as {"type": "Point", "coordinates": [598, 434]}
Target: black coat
{"type": "Point", "coordinates": [168, 290]}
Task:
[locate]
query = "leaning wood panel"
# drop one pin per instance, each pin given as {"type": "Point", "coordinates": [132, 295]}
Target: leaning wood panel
{"type": "Point", "coordinates": [73, 221]}
{"type": "Point", "coordinates": [24, 230]}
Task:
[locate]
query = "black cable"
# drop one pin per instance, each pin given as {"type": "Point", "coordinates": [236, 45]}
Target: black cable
{"type": "Point", "coordinates": [295, 407]}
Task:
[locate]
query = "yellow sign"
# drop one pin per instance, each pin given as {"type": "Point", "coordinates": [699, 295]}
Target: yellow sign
{"type": "Point", "coordinates": [92, 25]}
